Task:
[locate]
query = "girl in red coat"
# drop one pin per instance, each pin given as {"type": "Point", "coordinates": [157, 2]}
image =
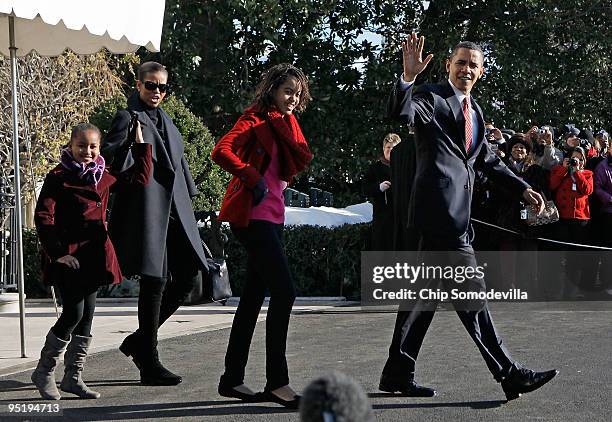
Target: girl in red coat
{"type": "Point", "coordinates": [78, 255]}
{"type": "Point", "coordinates": [264, 150]}
{"type": "Point", "coordinates": [571, 185]}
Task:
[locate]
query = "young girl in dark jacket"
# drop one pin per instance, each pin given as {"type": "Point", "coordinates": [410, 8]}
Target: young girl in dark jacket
{"type": "Point", "coordinates": [78, 255]}
{"type": "Point", "coordinates": [263, 151]}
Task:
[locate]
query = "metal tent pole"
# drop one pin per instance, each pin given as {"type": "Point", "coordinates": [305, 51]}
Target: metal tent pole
{"type": "Point", "coordinates": [19, 224]}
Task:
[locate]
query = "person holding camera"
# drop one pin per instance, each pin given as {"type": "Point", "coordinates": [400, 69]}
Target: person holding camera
{"type": "Point", "coordinates": [545, 154]}
{"type": "Point", "coordinates": [571, 185]}
{"type": "Point", "coordinates": [495, 138]}
{"type": "Point", "coordinates": [569, 139]}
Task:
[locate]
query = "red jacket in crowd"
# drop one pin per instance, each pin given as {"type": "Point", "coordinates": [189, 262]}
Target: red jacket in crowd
{"type": "Point", "coordinates": [572, 204]}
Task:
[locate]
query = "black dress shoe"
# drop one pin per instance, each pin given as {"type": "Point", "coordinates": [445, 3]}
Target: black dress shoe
{"type": "Point", "coordinates": [407, 388]}
{"type": "Point", "coordinates": [523, 380]}
{"type": "Point", "coordinates": [268, 396]}
{"type": "Point", "coordinates": [231, 392]}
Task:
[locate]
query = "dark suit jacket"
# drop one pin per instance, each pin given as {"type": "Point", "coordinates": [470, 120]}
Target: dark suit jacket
{"type": "Point", "coordinates": [442, 193]}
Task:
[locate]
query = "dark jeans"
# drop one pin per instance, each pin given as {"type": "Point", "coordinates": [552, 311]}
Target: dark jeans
{"type": "Point", "coordinates": [160, 297]}
{"type": "Point", "coordinates": [267, 267]}
{"type": "Point", "coordinates": [78, 306]}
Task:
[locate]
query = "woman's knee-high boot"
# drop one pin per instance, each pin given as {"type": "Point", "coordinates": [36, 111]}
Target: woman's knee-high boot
{"type": "Point", "coordinates": [43, 376]}
{"type": "Point", "coordinates": [74, 361]}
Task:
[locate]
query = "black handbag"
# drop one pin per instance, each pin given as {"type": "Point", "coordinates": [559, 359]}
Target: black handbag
{"type": "Point", "coordinates": [215, 282]}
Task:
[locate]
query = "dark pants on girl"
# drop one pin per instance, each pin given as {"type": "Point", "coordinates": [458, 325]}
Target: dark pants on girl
{"type": "Point", "coordinates": [267, 267]}
{"type": "Point", "coordinates": [78, 306]}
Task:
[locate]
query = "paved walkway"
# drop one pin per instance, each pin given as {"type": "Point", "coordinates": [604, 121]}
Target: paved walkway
{"type": "Point", "coordinates": [114, 319]}
{"type": "Point", "coordinates": [573, 337]}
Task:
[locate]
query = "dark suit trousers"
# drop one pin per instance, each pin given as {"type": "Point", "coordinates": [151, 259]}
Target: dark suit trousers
{"type": "Point", "coordinates": [411, 325]}
{"type": "Point", "coordinates": [267, 267]}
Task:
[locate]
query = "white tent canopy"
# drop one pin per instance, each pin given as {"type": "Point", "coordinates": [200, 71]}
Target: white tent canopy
{"type": "Point", "coordinates": [84, 26]}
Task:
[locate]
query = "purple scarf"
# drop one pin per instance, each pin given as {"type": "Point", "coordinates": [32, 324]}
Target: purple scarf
{"type": "Point", "coordinates": [89, 173]}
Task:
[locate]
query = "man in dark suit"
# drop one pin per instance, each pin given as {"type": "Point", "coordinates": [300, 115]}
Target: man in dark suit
{"type": "Point", "coordinates": [450, 146]}
{"type": "Point", "coordinates": [154, 229]}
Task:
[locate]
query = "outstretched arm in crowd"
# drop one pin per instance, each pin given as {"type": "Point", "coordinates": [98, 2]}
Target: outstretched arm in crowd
{"type": "Point", "coordinates": [552, 156]}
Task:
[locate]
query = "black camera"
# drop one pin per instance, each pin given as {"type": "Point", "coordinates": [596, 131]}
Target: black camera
{"type": "Point", "coordinates": [573, 162]}
{"type": "Point", "coordinates": [585, 144]}
{"type": "Point", "coordinates": [541, 130]}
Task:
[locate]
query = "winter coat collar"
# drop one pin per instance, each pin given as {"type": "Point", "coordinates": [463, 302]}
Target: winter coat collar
{"type": "Point", "coordinates": [170, 156]}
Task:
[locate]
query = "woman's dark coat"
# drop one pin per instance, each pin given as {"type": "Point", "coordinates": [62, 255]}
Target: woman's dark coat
{"type": "Point", "coordinates": [139, 223]}
{"type": "Point", "coordinates": [70, 219]}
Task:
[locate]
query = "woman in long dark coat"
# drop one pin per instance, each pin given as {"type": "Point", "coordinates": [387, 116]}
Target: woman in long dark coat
{"type": "Point", "coordinates": [377, 187]}
{"type": "Point", "coordinates": [154, 232]}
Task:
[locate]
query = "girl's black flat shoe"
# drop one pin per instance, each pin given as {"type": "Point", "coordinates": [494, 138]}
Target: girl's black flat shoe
{"type": "Point", "coordinates": [267, 396]}
{"type": "Point", "coordinates": [232, 393]}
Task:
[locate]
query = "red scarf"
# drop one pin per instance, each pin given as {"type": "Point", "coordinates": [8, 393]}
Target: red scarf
{"type": "Point", "coordinates": [294, 154]}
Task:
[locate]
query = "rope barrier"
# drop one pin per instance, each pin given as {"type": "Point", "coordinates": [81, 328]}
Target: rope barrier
{"type": "Point", "coordinates": [600, 248]}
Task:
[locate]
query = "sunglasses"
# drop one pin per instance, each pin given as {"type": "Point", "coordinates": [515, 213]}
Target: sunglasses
{"type": "Point", "coordinates": [152, 86]}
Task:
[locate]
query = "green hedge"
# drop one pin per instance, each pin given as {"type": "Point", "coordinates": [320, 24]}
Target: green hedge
{"type": "Point", "coordinates": [323, 261]}
{"type": "Point", "coordinates": [32, 274]}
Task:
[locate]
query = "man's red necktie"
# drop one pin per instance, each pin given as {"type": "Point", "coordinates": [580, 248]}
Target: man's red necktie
{"type": "Point", "coordinates": [468, 124]}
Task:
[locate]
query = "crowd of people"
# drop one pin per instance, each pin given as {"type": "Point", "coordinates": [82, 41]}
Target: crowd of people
{"type": "Point", "coordinates": [572, 171]}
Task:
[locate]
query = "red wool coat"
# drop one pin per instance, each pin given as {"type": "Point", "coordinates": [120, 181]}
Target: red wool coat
{"type": "Point", "coordinates": [245, 152]}
{"type": "Point", "coordinates": [70, 219]}
{"type": "Point", "coordinates": [571, 204]}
